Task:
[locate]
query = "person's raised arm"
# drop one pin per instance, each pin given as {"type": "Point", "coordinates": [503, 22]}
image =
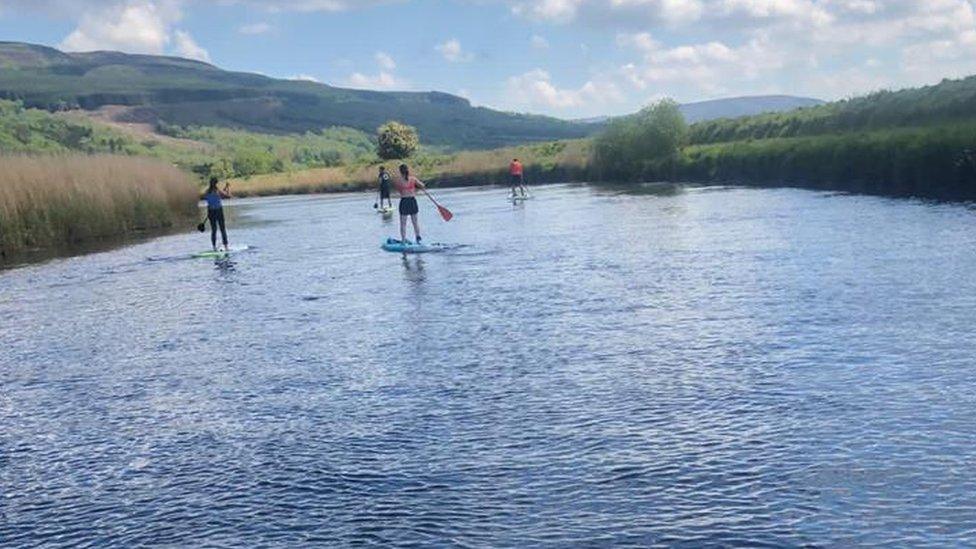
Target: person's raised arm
{"type": "Point", "coordinates": [225, 193]}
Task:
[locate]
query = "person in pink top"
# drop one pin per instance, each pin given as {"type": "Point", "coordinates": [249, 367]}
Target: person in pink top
{"type": "Point", "coordinates": [407, 187]}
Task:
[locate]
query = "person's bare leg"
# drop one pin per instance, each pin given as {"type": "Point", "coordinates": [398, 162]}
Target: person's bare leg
{"type": "Point", "coordinates": [416, 227]}
{"type": "Point", "coordinates": [403, 228]}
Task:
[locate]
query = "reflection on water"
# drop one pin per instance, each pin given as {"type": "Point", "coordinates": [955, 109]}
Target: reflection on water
{"type": "Point", "coordinates": [639, 189]}
{"type": "Point", "coordinates": [719, 367]}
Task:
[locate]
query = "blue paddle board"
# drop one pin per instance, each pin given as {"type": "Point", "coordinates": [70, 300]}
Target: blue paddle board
{"type": "Point", "coordinates": [400, 247]}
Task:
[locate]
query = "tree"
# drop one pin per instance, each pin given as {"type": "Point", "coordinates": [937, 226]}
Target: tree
{"type": "Point", "coordinates": [642, 145]}
{"type": "Point", "coordinates": [396, 140]}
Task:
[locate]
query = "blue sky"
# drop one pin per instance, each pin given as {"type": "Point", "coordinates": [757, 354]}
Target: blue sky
{"type": "Point", "coordinates": [568, 58]}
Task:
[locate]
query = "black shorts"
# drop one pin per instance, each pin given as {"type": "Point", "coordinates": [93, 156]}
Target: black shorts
{"type": "Point", "coordinates": [384, 192]}
{"type": "Point", "coordinates": [408, 206]}
{"type": "Point", "coordinates": [516, 180]}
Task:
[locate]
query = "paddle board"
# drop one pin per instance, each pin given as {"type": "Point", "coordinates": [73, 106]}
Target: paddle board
{"type": "Point", "coordinates": [518, 197]}
{"type": "Point", "coordinates": [388, 210]}
{"type": "Point", "coordinates": [221, 253]}
{"type": "Point", "coordinates": [397, 246]}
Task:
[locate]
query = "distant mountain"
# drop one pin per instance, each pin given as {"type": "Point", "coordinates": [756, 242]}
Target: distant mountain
{"type": "Point", "coordinates": [732, 107]}
{"type": "Point", "coordinates": [184, 92]}
{"type": "Point", "coordinates": [735, 107]}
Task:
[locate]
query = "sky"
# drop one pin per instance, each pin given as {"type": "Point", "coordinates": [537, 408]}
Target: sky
{"type": "Point", "coordinates": [566, 58]}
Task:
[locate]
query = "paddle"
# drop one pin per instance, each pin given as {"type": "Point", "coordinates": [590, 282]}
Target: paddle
{"type": "Point", "coordinates": [445, 213]}
{"type": "Point", "coordinates": [202, 226]}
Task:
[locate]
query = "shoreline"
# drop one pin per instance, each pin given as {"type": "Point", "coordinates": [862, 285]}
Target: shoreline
{"type": "Point", "coordinates": [10, 260]}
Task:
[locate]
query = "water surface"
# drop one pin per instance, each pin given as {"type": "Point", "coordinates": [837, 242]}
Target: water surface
{"type": "Point", "coordinates": [697, 365]}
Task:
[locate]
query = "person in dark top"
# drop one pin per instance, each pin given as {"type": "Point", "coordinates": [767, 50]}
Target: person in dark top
{"type": "Point", "coordinates": [385, 185]}
{"type": "Point", "coordinates": [215, 211]}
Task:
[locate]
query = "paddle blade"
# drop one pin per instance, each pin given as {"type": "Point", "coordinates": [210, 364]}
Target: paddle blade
{"type": "Point", "coordinates": [445, 213]}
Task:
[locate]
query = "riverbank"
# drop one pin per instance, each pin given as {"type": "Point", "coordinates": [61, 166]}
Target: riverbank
{"type": "Point", "coordinates": [72, 200]}
{"type": "Point", "coordinates": [926, 162]}
{"type": "Point", "coordinates": [544, 163]}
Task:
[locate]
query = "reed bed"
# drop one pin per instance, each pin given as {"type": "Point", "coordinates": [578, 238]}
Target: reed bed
{"type": "Point", "coordinates": [545, 162]}
{"type": "Point", "coordinates": [55, 201]}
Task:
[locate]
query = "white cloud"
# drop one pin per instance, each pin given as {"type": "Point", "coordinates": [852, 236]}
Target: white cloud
{"type": "Point", "coordinates": [602, 12]}
{"type": "Point", "coordinates": [384, 79]}
{"type": "Point", "coordinates": [453, 52]}
{"type": "Point", "coordinates": [255, 28]}
{"type": "Point", "coordinates": [187, 47]}
{"type": "Point", "coordinates": [539, 42]}
{"type": "Point", "coordinates": [306, 78]}
{"type": "Point", "coordinates": [311, 5]}
{"type": "Point", "coordinates": [384, 60]}
{"type": "Point", "coordinates": [135, 26]}
{"type": "Point", "coordinates": [381, 81]}
{"type": "Point", "coordinates": [535, 89]}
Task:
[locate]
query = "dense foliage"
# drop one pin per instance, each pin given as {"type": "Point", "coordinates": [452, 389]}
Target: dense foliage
{"type": "Point", "coordinates": [932, 161]}
{"type": "Point", "coordinates": [204, 150]}
{"type": "Point", "coordinates": [949, 101]}
{"type": "Point", "coordinates": [643, 145]}
{"type": "Point", "coordinates": [916, 142]}
{"type": "Point", "coordinates": [395, 140]}
{"type": "Point", "coordinates": [242, 154]}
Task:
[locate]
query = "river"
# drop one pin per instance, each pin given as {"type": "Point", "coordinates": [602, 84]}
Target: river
{"type": "Point", "coordinates": [597, 366]}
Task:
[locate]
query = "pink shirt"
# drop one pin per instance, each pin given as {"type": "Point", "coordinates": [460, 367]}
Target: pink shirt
{"type": "Point", "coordinates": [408, 187]}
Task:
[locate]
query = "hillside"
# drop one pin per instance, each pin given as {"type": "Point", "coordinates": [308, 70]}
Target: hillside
{"type": "Point", "coordinates": [730, 107]}
{"type": "Point", "coordinates": [914, 142]}
{"type": "Point", "coordinates": [184, 92]}
{"type": "Point", "coordinates": [735, 107]}
{"type": "Point", "coordinates": [950, 101]}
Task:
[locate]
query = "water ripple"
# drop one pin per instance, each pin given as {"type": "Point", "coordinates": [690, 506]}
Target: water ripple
{"type": "Point", "coordinates": [710, 367]}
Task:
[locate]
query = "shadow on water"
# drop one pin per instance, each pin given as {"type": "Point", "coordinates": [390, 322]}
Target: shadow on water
{"type": "Point", "coordinates": [238, 217]}
{"type": "Point", "coordinates": [22, 258]}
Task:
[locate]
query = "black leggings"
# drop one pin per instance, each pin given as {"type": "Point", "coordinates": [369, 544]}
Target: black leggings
{"type": "Point", "coordinates": [216, 217]}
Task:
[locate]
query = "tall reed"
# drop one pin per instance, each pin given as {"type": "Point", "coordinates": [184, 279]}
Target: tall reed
{"type": "Point", "coordinates": [544, 162]}
{"type": "Point", "coordinates": [51, 201]}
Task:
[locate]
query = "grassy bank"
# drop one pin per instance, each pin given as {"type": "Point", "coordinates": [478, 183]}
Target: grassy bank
{"type": "Point", "coordinates": [547, 162]}
{"type": "Point", "coordinates": [919, 142]}
{"type": "Point", "coordinates": [929, 161]}
{"type": "Point", "coordinates": [53, 201]}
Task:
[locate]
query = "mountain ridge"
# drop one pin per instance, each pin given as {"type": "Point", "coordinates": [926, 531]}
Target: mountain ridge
{"type": "Point", "coordinates": [187, 92]}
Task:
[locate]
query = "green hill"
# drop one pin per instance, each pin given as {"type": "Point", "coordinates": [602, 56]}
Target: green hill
{"type": "Point", "coordinates": [914, 142]}
{"type": "Point", "coordinates": [184, 92]}
{"type": "Point", "coordinates": [950, 101]}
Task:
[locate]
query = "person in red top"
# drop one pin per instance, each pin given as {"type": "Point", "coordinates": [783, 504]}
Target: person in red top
{"type": "Point", "coordinates": [518, 180]}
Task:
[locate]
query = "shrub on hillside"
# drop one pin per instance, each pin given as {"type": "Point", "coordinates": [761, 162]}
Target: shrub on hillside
{"type": "Point", "coordinates": [396, 140]}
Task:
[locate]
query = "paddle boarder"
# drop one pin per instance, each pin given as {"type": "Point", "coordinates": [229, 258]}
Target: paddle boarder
{"type": "Point", "coordinates": [384, 189]}
{"type": "Point", "coordinates": [407, 187]}
{"type": "Point", "coordinates": [215, 211]}
{"type": "Point", "coordinates": [518, 180]}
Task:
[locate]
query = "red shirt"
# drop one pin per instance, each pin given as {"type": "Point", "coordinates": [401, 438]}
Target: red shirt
{"type": "Point", "coordinates": [515, 168]}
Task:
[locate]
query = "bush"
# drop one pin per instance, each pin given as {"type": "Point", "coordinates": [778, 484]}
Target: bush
{"type": "Point", "coordinates": [396, 140]}
{"type": "Point", "coordinates": [645, 145]}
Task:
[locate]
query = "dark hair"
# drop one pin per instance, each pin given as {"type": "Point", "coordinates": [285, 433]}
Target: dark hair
{"type": "Point", "coordinates": [515, 160]}
{"type": "Point", "coordinates": [213, 183]}
{"type": "Point", "coordinates": [404, 170]}
{"type": "Point", "coordinates": [382, 168]}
